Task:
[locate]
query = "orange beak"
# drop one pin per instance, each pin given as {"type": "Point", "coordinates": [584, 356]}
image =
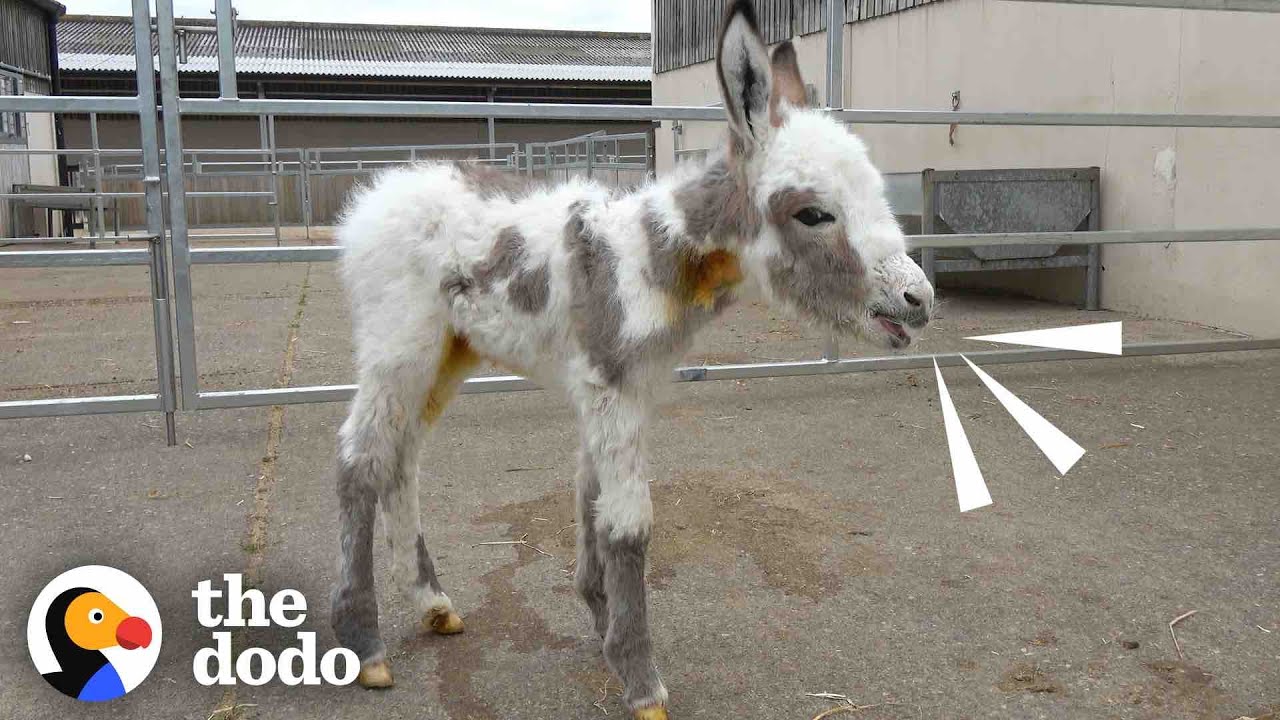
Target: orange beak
{"type": "Point", "coordinates": [133, 633]}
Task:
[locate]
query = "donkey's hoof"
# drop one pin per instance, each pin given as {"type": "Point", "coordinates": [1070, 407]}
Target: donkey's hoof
{"type": "Point", "coordinates": [376, 674]}
{"type": "Point", "coordinates": [655, 712]}
{"type": "Point", "coordinates": [443, 622]}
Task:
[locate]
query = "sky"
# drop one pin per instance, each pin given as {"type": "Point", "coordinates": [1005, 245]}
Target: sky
{"type": "Point", "coordinates": [616, 15]}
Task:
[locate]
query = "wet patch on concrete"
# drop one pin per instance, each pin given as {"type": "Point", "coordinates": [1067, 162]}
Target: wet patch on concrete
{"type": "Point", "coordinates": [800, 549]}
{"type": "Point", "coordinates": [1175, 689]}
{"type": "Point", "coordinates": [1044, 638]}
{"type": "Point", "coordinates": [1030, 678]}
{"type": "Point", "coordinates": [504, 619]}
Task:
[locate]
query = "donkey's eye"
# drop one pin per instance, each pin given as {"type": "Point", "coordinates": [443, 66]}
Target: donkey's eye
{"type": "Point", "coordinates": [813, 216]}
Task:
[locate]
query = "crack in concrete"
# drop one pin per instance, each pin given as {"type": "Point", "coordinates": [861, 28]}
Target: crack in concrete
{"type": "Point", "coordinates": [255, 545]}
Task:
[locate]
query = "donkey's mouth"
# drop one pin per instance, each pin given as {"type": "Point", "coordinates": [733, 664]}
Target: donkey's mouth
{"type": "Point", "coordinates": [898, 336]}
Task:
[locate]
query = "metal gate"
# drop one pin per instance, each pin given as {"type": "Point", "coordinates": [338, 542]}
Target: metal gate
{"type": "Point", "coordinates": [170, 257]}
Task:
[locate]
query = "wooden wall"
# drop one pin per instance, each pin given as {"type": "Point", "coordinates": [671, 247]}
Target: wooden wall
{"type": "Point", "coordinates": [24, 42]}
{"type": "Point", "coordinates": [14, 169]}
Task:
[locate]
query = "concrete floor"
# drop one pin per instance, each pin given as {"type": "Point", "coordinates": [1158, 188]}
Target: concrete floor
{"type": "Point", "coordinates": [807, 533]}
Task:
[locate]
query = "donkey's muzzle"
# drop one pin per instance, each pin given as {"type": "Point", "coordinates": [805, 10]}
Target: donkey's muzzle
{"type": "Point", "coordinates": [913, 305]}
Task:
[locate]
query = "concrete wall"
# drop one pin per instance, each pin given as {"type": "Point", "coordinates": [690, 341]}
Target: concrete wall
{"type": "Point", "coordinates": [1046, 57]}
{"type": "Point", "coordinates": [697, 85]}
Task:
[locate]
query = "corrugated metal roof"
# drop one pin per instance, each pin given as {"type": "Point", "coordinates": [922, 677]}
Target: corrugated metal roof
{"type": "Point", "coordinates": [105, 44]}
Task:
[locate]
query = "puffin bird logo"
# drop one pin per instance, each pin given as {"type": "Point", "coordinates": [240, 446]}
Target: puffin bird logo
{"type": "Point", "coordinates": [84, 640]}
{"type": "Point", "coordinates": [80, 624]}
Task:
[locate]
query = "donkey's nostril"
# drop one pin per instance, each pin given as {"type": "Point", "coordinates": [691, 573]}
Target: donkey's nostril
{"type": "Point", "coordinates": [912, 300]}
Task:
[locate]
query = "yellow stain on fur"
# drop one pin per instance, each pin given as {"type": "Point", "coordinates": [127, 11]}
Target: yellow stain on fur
{"type": "Point", "coordinates": [457, 360]}
{"type": "Point", "coordinates": [715, 273]}
{"type": "Point", "coordinates": [703, 279]}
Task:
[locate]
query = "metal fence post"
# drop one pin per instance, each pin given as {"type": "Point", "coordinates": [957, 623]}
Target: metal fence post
{"type": "Point", "coordinates": [1093, 271]}
{"type": "Point", "coordinates": [305, 158]}
{"type": "Point", "coordinates": [97, 231]}
{"type": "Point", "coordinates": [650, 157]}
{"type": "Point", "coordinates": [226, 18]}
{"type": "Point", "coordinates": [835, 53]}
{"type": "Point", "coordinates": [835, 100]}
{"type": "Point", "coordinates": [928, 256]}
{"type": "Point", "coordinates": [493, 130]}
{"type": "Point", "coordinates": [179, 244]}
{"type": "Point", "coordinates": [196, 171]}
{"type": "Point", "coordinates": [150, 142]}
{"type": "Point", "coordinates": [302, 196]}
{"type": "Point", "coordinates": [274, 202]}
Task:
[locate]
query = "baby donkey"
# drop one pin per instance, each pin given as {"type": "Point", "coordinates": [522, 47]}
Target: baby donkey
{"type": "Point", "coordinates": [597, 294]}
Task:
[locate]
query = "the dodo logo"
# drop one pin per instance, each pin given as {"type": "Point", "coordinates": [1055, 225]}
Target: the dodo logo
{"type": "Point", "coordinates": [94, 633]}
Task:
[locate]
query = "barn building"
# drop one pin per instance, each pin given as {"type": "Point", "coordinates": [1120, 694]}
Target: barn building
{"type": "Point", "coordinates": [326, 61]}
{"type": "Point", "coordinates": [28, 66]}
{"type": "Point", "coordinates": [1048, 57]}
{"type": "Point", "coordinates": [379, 62]}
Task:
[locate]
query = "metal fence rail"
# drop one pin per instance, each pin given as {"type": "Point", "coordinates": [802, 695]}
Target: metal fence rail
{"type": "Point", "coordinates": [1235, 5]}
{"type": "Point", "coordinates": [304, 186]}
{"type": "Point", "coordinates": [171, 257]}
{"type": "Point", "coordinates": [643, 113]}
{"type": "Point", "coordinates": [155, 257]}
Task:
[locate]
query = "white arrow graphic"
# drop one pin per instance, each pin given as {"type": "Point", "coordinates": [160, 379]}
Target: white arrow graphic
{"type": "Point", "coordinates": [971, 489]}
{"type": "Point", "coordinates": [1102, 338]}
{"type": "Point", "coordinates": [1061, 450]}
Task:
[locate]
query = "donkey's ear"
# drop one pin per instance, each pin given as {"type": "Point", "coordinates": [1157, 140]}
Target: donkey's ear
{"type": "Point", "coordinates": [742, 64]}
{"type": "Point", "coordinates": [788, 86]}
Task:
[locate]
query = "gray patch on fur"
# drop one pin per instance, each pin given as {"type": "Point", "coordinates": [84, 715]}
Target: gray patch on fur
{"type": "Point", "coordinates": [821, 275]}
{"type": "Point", "coordinates": [666, 254]}
{"type": "Point", "coordinates": [354, 604]}
{"type": "Point", "coordinates": [493, 184]}
{"type": "Point", "coordinates": [627, 647]}
{"type": "Point", "coordinates": [529, 290]}
{"type": "Point", "coordinates": [597, 310]}
{"type": "Point", "coordinates": [717, 205]}
{"type": "Point", "coordinates": [503, 259]}
{"type": "Point", "coordinates": [426, 568]}
{"type": "Point", "coordinates": [588, 578]}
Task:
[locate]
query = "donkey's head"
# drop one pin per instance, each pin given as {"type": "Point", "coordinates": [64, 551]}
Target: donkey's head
{"type": "Point", "coordinates": [827, 243]}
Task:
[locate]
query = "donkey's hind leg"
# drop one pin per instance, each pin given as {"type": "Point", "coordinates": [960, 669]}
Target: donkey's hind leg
{"type": "Point", "coordinates": [378, 444]}
{"type": "Point", "coordinates": [370, 444]}
{"type": "Point", "coordinates": [411, 566]}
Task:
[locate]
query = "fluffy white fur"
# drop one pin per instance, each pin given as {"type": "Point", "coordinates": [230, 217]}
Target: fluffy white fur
{"type": "Point", "coordinates": [416, 227]}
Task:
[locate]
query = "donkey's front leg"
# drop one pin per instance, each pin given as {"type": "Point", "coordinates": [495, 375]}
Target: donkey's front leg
{"type": "Point", "coordinates": [623, 518]}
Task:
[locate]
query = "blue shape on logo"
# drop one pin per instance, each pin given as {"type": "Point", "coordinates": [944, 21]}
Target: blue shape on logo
{"type": "Point", "coordinates": [104, 685]}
